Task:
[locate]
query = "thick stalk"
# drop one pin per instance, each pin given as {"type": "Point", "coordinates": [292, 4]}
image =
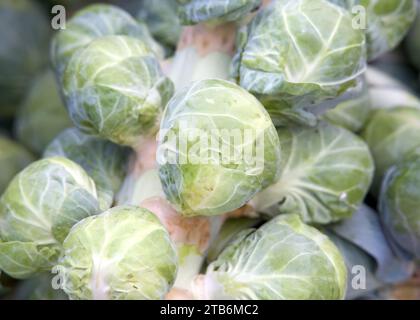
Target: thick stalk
{"type": "Point", "coordinates": [203, 52]}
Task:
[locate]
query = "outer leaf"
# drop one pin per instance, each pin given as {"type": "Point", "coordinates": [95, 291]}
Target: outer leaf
{"type": "Point", "coordinates": [355, 259]}
{"type": "Point", "coordinates": [215, 11]}
{"type": "Point", "coordinates": [284, 259]}
{"type": "Point", "coordinates": [22, 260]}
{"type": "Point", "coordinates": [363, 243]}
{"type": "Point", "coordinates": [212, 180]}
{"type": "Point", "coordinates": [327, 172]}
{"type": "Point", "coordinates": [114, 88]}
{"type": "Point", "coordinates": [162, 20]}
{"type": "Point", "coordinates": [364, 230]}
{"type": "Point", "coordinates": [352, 114]}
{"type": "Point", "coordinates": [298, 55]}
{"type": "Point", "coordinates": [121, 254]}
{"type": "Point", "coordinates": [105, 162]}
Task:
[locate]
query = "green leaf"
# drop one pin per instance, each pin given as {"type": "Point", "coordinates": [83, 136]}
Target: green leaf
{"type": "Point", "coordinates": [327, 172]}
{"type": "Point", "coordinates": [21, 260]}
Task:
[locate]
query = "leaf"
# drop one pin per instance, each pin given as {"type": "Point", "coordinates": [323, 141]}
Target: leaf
{"type": "Point", "coordinates": [327, 172]}
{"type": "Point", "coordinates": [22, 260]}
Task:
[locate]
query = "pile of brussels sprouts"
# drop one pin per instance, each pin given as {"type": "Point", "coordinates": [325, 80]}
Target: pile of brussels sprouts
{"type": "Point", "coordinates": [105, 194]}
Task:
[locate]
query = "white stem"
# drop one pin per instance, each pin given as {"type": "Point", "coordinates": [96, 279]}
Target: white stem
{"type": "Point", "coordinates": [141, 162]}
{"type": "Point", "coordinates": [191, 236]}
{"type": "Point", "coordinates": [203, 52]}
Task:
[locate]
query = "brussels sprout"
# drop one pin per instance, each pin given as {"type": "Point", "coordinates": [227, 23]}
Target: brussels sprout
{"type": "Point", "coordinates": [282, 260]}
{"type": "Point", "coordinates": [387, 92]}
{"type": "Point", "coordinates": [386, 22]}
{"type": "Point", "coordinates": [215, 11]}
{"type": "Point", "coordinates": [114, 88]}
{"type": "Point", "coordinates": [226, 148]}
{"type": "Point", "coordinates": [399, 204]}
{"type": "Point", "coordinates": [296, 55]}
{"type": "Point", "coordinates": [327, 172]}
{"type": "Point", "coordinates": [24, 34]}
{"type": "Point", "coordinates": [121, 254]}
{"type": "Point", "coordinates": [13, 158]}
{"type": "Point", "coordinates": [38, 209]}
{"type": "Point", "coordinates": [391, 135]}
{"type": "Point", "coordinates": [38, 288]}
{"type": "Point", "coordinates": [105, 162]}
{"type": "Point", "coordinates": [42, 115]}
{"type": "Point", "coordinates": [162, 20]}
{"type": "Point", "coordinates": [93, 22]}
{"type": "Point", "coordinates": [413, 42]}
{"type": "Point", "coordinates": [352, 114]}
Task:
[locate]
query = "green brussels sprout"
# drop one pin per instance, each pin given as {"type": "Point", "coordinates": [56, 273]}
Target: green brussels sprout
{"type": "Point", "coordinates": [391, 135]}
{"type": "Point", "coordinates": [38, 288]}
{"type": "Point", "coordinates": [24, 34]}
{"type": "Point", "coordinates": [226, 151]}
{"type": "Point", "coordinates": [122, 254]}
{"type": "Point", "coordinates": [351, 114]}
{"type": "Point", "coordinates": [413, 42]}
{"type": "Point", "coordinates": [386, 22]}
{"type": "Point", "coordinates": [327, 172]}
{"type": "Point", "coordinates": [399, 202]}
{"type": "Point", "coordinates": [13, 158]}
{"type": "Point", "coordinates": [93, 22]}
{"type": "Point", "coordinates": [162, 20]}
{"type": "Point", "coordinates": [282, 260]}
{"type": "Point", "coordinates": [105, 162]}
{"type": "Point", "coordinates": [114, 88]}
{"type": "Point", "coordinates": [42, 115]}
{"type": "Point", "coordinates": [215, 11]}
{"type": "Point", "coordinates": [297, 55]}
{"type": "Point", "coordinates": [37, 210]}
